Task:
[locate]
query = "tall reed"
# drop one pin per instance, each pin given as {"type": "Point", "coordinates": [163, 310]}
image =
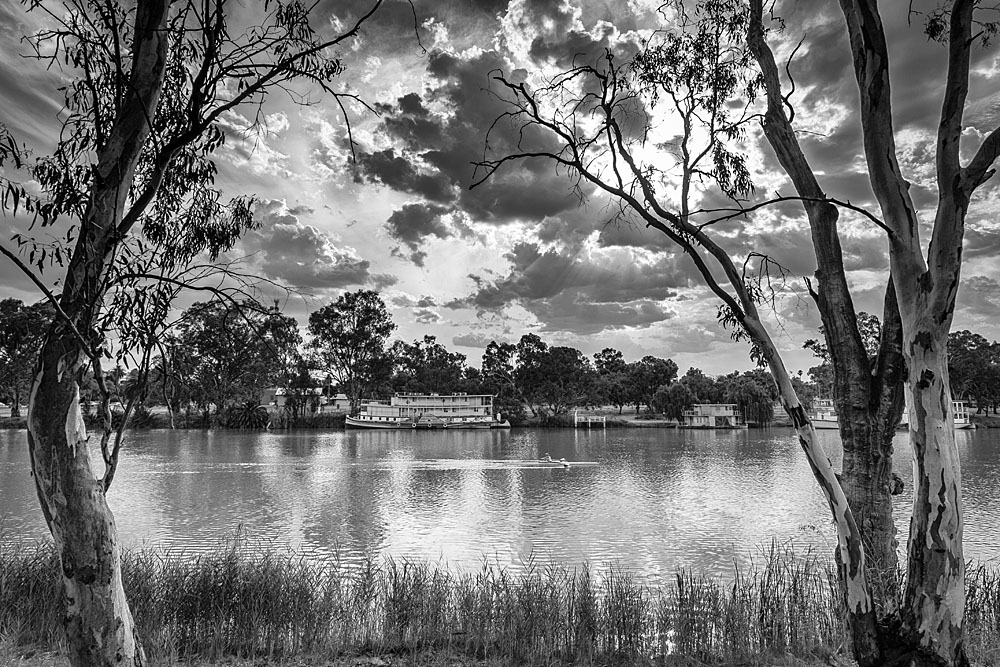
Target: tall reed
{"type": "Point", "coordinates": [249, 601]}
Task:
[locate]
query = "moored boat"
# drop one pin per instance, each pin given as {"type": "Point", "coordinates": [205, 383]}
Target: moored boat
{"type": "Point", "coordinates": [429, 411]}
{"type": "Point", "coordinates": [823, 415]}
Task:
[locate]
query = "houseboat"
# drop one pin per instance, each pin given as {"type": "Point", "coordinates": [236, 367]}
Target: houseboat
{"type": "Point", "coordinates": [823, 415]}
{"type": "Point", "coordinates": [713, 415]}
{"type": "Point", "coordinates": [960, 416]}
{"type": "Point", "coordinates": [429, 411]}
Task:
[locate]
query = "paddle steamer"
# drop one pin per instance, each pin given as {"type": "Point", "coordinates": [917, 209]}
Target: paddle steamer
{"type": "Point", "coordinates": [430, 411]}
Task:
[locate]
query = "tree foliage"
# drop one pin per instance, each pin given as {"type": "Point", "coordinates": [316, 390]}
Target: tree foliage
{"type": "Point", "coordinates": [234, 353]}
{"type": "Point", "coordinates": [348, 341]}
{"type": "Point", "coordinates": [426, 367]}
{"type": "Point", "coordinates": [22, 330]}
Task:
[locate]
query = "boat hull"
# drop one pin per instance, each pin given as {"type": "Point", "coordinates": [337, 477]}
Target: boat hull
{"type": "Point", "coordinates": [824, 424]}
{"type": "Point", "coordinates": [360, 422]}
{"type": "Point", "coordinates": [355, 422]}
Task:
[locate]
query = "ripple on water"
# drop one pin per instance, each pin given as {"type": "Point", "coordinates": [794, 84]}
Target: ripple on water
{"type": "Point", "coordinates": [656, 500]}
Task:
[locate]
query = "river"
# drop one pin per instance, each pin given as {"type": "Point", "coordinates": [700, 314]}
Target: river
{"type": "Point", "coordinates": [656, 500]}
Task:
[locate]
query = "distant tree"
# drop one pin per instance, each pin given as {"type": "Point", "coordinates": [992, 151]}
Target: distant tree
{"type": "Point", "coordinates": [349, 339]}
{"type": "Point", "coordinates": [528, 372]}
{"type": "Point", "coordinates": [805, 391]}
{"type": "Point", "coordinates": [172, 377]}
{"type": "Point", "coordinates": [426, 366]}
{"type": "Point", "coordinates": [610, 360]}
{"type": "Point", "coordinates": [561, 378]}
{"type": "Point", "coordinates": [647, 375]}
{"type": "Point", "coordinates": [870, 329]}
{"type": "Point", "coordinates": [499, 378]}
{"type": "Point", "coordinates": [703, 387]}
{"type": "Point", "coordinates": [673, 399]}
{"type": "Point", "coordinates": [237, 351]}
{"type": "Point", "coordinates": [752, 398]}
{"type": "Point", "coordinates": [612, 381]}
{"type": "Point", "coordinates": [300, 396]}
{"type": "Point", "coordinates": [974, 367]}
{"type": "Point", "coordinates": [22, 330]}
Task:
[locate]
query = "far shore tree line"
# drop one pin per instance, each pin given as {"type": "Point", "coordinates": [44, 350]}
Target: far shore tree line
{"type": "Point", "coordinates": [214, 367]}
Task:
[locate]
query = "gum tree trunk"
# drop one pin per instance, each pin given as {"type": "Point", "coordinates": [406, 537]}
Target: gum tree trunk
{"type": "Point", "coordinates": [850, 553]}
{"type": "Point", "coordinates": [100, 630]}
{"type": "Point", "coordinates": [933, 613]}
{"type": "Point", "coordinates": [934, 601]}
{"type": "Point", "coordinates": [869, 402]}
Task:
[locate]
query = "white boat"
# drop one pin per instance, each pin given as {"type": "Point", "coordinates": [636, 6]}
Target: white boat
{"type": "Point", "coordinates": [429, 411]}
{"type": "Point", "coordinates": [823, 415]}
{"type": "Point", "coordinates": [713, 415]}
{"type": "Point", "coordinates": [960, 416]}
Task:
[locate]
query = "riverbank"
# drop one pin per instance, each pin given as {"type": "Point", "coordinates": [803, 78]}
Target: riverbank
{"type": "Point", "coordinates": [251, 603]}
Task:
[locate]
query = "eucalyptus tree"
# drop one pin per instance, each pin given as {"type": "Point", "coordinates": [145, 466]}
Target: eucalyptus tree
{"type": "Point", "coordinates": [129, 195]}
{"type": "Point", "coordinates": [612, 377]}
{"type": "Point", "coordinates": [929, 625]}
{"type": "Point", "coordinates": [596, 123]}
{"type": "Point", "coordinates": [349, 339]}
{"type": "Point", "coordinates": [235, 352]}
{"type": "Point", "coordinates": [426, 366]}
{"type": "Point", "coordinates": [673, 399]}
{"type": "Point", "coordinates": [647, 375]}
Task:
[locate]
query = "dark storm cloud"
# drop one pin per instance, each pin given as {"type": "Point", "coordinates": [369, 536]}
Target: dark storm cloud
{"type": "Point", "coordinates": [577, 47]}
{"type": "Point", "coordinates": [413, 223]}
{"type": "Point", "coordinates": [575, 312]}
{"type": "Point", "coordinates": [410, 121]}
{"type": "Point", "coordinates": [580, 293]}
{"type": "Point", "coordinates": [399, 173]}
{"type": "Point", "coordinates": [426, 316]}
{"type": "Point", "coordinates": [434, 156]}
{"type": "Point", "coordinates": [301, 255]}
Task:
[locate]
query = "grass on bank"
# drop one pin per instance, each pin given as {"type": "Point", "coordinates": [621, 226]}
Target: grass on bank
{"type": "Point", "coordinates": [249, 603]}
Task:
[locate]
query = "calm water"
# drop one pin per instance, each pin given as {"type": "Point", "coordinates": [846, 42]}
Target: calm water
{"type": "Point", "coordinates": [658, 499]}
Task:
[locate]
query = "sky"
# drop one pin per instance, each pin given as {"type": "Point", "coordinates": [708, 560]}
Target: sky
{"type": "Point", "coordinates": [522, 253]}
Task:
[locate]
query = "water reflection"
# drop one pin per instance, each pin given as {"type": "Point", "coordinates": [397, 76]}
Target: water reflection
{"type": "Point", "coordinates": [656, 501]}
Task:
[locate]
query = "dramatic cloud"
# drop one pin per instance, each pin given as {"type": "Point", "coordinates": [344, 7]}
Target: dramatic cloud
{"type": "Point", "coordinates": [586, 293]}
{"type": "Point", "coordinates": [301, 255]}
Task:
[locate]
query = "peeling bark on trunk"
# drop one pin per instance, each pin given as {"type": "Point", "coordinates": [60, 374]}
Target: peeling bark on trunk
{"type": "Point", "coordinates": [933, 611]}
{"type": "Point", "coordinates": [934, 602]}
{"type": "Point", "coordinates": [99, 626]}
{"type": "Point", "coordinates": [100, 630]}
{"type": "Point", "coordinates": [850, 552]}
{"type": "Point", "coordinates": [868, 405]}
